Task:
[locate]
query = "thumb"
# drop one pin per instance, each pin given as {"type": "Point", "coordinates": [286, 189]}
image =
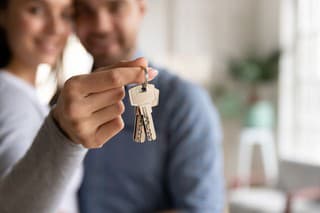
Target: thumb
{"type": "Point", "coordinates": [139, 62]}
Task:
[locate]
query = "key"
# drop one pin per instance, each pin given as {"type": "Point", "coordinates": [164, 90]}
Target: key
{"type": "Point", "coordinates": [138, 97]}
{"type": "Point", "coordinates": [146, 110]}
{"type": "Point", "coordinates": [143, 100]}
{"type": "Point", "coordinates": [148, 122]}
{"type": "Point", "coordinates": [139, 132]}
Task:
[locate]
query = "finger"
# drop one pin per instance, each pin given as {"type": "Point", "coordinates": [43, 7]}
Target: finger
{"type": "Point", "coordinates": [108, 130]}
{"type": "Point", "coordinates": [97, 101]}
{"type": "Point", "coordinates": [106, 114]}
{"type": "Point", "coordinates": [110, 79]}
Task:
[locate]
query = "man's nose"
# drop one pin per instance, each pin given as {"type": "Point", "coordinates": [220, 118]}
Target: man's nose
{"type": "Point", "coordinates": [103, 22]}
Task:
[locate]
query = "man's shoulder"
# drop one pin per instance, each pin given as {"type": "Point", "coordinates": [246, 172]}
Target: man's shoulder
{"type": "Point", "coordinates": [172, 86]}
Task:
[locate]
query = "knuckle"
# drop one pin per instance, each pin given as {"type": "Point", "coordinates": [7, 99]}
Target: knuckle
{"type": "Point", "coordinates": [99, 142]}
{"type": "Point", "coordinates": [119, 107]}
{"type": "Point", "coordinates": [69, 92]}
{"type": "Point", "coordinates": [86, 141]}
{"type": "Point", "coordinates": [115, 78]}
{"type": "Point", "coordinates": [82, 129]}
{"type": "Point", "coordinates": [71, 109]}
{"type": "Point", "coordinates": [72, 86]}
{"type": "Point", "coordinates": [71, 83]}
{"type": "Point", "coordinates": [87, 144]}
{"type": "Point", "coordinates": [118, 123]}
{"type": "Point", "coordinates": [120, 94]}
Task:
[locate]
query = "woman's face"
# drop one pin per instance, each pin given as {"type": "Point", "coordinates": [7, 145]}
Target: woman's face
{"type": "Point", "coordinates": [37, 30]}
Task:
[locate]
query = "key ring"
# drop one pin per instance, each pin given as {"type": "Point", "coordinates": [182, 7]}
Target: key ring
{"type": "Point", "coordinates": [146, 75]}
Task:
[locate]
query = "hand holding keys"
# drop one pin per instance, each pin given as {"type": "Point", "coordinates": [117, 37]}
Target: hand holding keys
{"type": "Point", "coordinates": [143, 98]}
{"type": "Point", "coordinates": [90, 106]}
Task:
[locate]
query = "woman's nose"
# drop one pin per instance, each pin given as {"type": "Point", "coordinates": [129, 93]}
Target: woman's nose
{"type": "Point", "coordinates": [56, 26]}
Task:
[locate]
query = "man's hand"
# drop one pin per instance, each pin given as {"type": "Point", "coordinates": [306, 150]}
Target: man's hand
{"type": "Point", "coordinates": [90, 106]}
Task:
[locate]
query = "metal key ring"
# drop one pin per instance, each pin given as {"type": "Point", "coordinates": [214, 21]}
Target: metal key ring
{"type": "Point", "coordinates": [146, 75]}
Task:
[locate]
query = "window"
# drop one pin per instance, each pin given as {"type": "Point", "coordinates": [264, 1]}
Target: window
{"type": "Point", "coordinates": [299, 121]}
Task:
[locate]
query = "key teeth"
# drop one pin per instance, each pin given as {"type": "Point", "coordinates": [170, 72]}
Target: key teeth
{"type": "Point", "coordinates": [138, 133]}
{"type": "Point", "coordinates": [147, 126]}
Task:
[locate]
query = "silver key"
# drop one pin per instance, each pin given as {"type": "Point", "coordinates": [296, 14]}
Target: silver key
{"type": "Point", "coordinates": [139, 132]}
{"type": "Point", "coordinates": [148, 122]}
{"type": "Point", "coordinates": [139, 97]}
{"type": "Point", "coordinates": [143, 100]}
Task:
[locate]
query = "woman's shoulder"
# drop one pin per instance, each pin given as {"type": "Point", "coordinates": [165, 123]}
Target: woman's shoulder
{"type": "Point", "coordinates": [12, 98]}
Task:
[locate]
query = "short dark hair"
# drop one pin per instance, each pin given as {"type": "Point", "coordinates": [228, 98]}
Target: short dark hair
{"type": "Point", "coordinates": [5, 53]}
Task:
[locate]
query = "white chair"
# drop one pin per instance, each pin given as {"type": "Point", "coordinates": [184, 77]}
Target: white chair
{"type": "Point", "coordinates": [264, 139]}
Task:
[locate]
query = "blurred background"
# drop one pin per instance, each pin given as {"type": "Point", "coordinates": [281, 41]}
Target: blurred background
{"type": "Point", "coordinates": [259, 60]}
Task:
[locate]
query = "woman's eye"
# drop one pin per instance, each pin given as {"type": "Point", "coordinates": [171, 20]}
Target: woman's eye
{"type": "Point", "coordinates": [68, 15]}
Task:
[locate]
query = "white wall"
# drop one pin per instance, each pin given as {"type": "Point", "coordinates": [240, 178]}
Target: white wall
{"type": "Point", "coordinates": [208, 32]}
{"type": "Point", "coordinates": [268, 25]}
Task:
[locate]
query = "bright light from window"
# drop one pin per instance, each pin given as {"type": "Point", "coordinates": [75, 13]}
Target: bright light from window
{"type": "Point", "coordinates": [75, 61]}
{"type": "Point", "coordinates": [299, 128]}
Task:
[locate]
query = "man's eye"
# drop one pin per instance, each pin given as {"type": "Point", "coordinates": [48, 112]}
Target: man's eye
{"type": "Point", "coordinates": [36, 10]}
{"type": "Point", "coordinates": [117, 7]}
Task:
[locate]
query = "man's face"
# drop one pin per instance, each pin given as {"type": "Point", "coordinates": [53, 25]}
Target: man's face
{"type": "Point", "coordinates": [108, 28]}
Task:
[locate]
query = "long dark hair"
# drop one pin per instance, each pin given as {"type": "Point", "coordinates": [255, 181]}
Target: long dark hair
{"type": "Point", "coordinates": [5, 53]}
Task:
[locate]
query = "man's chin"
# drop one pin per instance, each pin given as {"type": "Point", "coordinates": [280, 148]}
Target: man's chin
{"type": "Point", "coordinates": [107, 59]}
{"type": "Point", "coordinates": [105, 63]}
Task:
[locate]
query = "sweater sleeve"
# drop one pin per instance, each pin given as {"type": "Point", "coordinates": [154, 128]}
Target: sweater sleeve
{"type": "Point", "coordinates": [37, 181]}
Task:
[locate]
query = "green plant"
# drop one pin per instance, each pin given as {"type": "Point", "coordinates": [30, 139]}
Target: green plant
{"type": "Point", "coordinates": [254, 70]}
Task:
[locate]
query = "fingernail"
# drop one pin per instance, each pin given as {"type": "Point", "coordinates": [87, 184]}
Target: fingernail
{"type": "Point", "coordinates": [153, 72]}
